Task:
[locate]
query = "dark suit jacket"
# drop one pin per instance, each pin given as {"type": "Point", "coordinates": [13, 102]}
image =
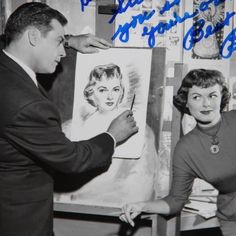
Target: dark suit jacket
{"type": "Point", "coordinates": [31, 145]}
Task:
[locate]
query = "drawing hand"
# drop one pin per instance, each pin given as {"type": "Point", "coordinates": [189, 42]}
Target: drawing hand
{"type": "Point", "coordinates": [123, 126]}
{"type": "Point", "coordinates": [88, 43]}
{"type": "Point", "coordinates": [131, 211]}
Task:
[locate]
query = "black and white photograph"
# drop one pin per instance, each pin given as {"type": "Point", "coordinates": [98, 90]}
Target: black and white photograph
{"type": "Point", "coordinates": [117, 118]}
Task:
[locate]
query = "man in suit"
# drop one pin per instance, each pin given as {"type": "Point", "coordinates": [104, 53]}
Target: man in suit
{"type": "Point", "coordinates": [32, 144]}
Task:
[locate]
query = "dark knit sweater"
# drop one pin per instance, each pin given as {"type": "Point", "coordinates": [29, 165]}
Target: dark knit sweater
{"type": "Point", "coordinates": [193, 159]}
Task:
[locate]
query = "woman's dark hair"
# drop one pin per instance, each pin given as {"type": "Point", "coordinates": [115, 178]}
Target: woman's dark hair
{"type": "Point", "coordinates": [34, 14]}
{"type": "Point", "coordinates": [204, 79]}
{"type": "Point", "coordinates": [110, 71]}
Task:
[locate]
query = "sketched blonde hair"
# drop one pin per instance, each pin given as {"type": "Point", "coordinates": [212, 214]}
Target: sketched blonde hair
{"type": "Point", "coordinates": [110, 71]}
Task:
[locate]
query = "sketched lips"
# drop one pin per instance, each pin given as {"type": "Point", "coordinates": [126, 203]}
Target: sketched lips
{"type": "Point", "coordinates": [109, 103]}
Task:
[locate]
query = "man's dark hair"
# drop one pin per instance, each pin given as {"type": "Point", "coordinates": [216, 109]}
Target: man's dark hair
{"type": "Point", "coordinates": [34, 14]}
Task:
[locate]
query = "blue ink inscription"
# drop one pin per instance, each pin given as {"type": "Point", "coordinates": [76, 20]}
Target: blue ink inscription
{"type": "Point", "coordinates": [196, 32]}
{"type": "Point", "coordinates": [123, 30]}
{"type": "Point", "coordinates": [84, 3]}
{"type": "Point", "coordinates": [169, 5]}
{"type": "Point", "coordinates": [205, 5]}
{"type": "Point", "coordinates": [161, 28]}
{"type": "Point", "coordinates": [122, 9]}
{"type": "Point", "coordinates": [231, 38]}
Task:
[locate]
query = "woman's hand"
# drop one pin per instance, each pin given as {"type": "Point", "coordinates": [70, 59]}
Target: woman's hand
{"type": "Point", "coordinates": [131, 211]}
{"type": "Point", "coordinates": [87, 43]}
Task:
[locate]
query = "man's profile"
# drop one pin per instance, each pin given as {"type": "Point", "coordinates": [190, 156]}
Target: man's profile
{"type": "Point", "coordinates": [32, 144]}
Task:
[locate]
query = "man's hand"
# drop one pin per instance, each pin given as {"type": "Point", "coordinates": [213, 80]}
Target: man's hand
{"type": "Point", "coordinates": [123, 126]}
{"type": "Point", "coordinates": [87, 43]}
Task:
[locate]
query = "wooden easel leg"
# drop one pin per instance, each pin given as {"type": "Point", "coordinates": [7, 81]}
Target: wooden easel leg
{"type": "Point", "coordinates": [162, 226]}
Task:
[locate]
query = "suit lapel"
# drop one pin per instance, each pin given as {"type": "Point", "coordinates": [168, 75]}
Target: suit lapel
{"type": "Point", "coordinates": [42, 90]}
{"type": "Point", "coordinates": [15, 68]}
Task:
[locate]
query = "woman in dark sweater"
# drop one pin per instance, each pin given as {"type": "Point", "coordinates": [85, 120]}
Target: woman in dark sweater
{"type": "Point", "coordinates": [206, 152]}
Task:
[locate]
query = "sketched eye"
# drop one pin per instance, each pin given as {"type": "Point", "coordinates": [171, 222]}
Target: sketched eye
{"type": "Point", "coordinates": [116, 89]}
{"type": "Point", "coordinates": [213, 96]}
{"type": "Point", "coordinates": [102, 90]}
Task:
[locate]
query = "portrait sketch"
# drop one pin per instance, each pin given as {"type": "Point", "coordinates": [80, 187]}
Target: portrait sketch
{"type": "Point", "coordinates": [105, 85]}
{"type": "Point", "coordinates": [126, 179]}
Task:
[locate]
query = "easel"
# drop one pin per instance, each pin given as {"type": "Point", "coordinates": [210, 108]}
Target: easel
{"type": "Point", "coordinates": [160, 226]}
{"type": "Point", "coordinates": [65, 78]}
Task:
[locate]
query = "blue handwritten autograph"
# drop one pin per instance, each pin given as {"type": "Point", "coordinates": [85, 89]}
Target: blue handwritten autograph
{"type": "Point", "coordinates": [168, 5]}
{"type": "Point", "coordinates": [204, 6]}
{"type": "Point", "coordinates": [197, 32]}
{"type": "Point", "coordinates": [231, 38]}
{"type": "Point", "coordinates": [162, 27]}
{"type": "Point", "coordinates": [123, 30]}
{"type": "Point", "coordinates": [84, 3]}
{"type": "Point", "coordinates": [123, 8]}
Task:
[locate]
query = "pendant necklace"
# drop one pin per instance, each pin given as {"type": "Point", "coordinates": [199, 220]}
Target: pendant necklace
{"type": "Point", "coordinates": [214, 148]}
{"type": "Point", "coordinates": [215, 145]}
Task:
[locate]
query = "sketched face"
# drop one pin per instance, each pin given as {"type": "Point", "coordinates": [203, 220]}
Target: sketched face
{"type": "Point", "coordinates": [107, 93]}
{"type": "Point", "coordinates": [204, 104]}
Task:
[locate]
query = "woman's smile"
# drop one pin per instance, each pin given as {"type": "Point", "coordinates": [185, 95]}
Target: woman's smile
{"type": "Point", "coordinates": [204, 103]}
{"type": "Point", "coordinates": [206, 112]}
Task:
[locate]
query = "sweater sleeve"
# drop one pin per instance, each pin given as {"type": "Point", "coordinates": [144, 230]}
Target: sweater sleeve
{"type": "Point", "coordinates": [35, 132]}
{"type": "Point", "coordinates": [182, 180]}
